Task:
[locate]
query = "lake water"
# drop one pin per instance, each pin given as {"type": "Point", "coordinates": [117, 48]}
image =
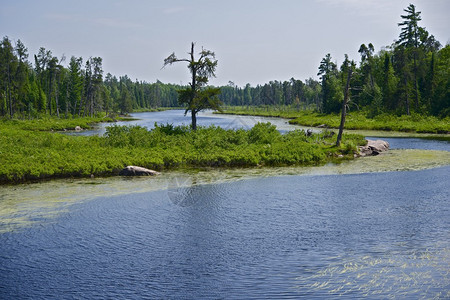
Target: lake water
{"type": "Point", "coordinates": [359, 229]}
{"type": "Point", "coordinates": [177, 117]}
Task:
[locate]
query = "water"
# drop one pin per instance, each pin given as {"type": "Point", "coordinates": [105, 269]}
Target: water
{"type": "Point", "coordinates": [331, 232]}
{"type": "Point", "coordinates": [207, 118]}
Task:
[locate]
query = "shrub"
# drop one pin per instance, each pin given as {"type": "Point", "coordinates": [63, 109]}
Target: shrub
{"type": "Point", "coordinates": [263, 133]}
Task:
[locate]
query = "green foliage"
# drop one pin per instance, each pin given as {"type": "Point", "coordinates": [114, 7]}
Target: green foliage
{"type": "Point", "coordinates": [376, 102]}
{"type": "Point", "coordinates": [31, 155]}
{"type": "Point", "coordinates": [125, 103]}
{"type": "Point", "coordinates": [335, 95]}
{"type": "Point", "coordinates": [360, 120]}
{"type": "Point", "coordinates": [410, 76]}
{"type": "Point", "coordinates": [197, 96]}
{"type": "Point", "coordinates": [169, 129]}
{"type": "Point", "coordinates": [46, 123]}
{"type": "Point", "coordinates": [355, 119]}
{"type": "Point", "coordinates": [263, 133]}
{"type": "Point", "coordinates": [48, 87]}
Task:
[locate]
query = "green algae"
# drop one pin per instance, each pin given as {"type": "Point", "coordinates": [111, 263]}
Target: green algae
{"type": "Point", "coordinates": [28, 204]}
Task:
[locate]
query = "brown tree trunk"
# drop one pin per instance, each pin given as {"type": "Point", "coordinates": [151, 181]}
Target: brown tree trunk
{"type": "Point", "coordinates": [344, 109]}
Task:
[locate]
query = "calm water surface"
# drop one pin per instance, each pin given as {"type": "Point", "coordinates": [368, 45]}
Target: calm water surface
{"type": "Point", "coordinates": [376, 235]}
{"type": "Point", "coordinates": [177, 117]}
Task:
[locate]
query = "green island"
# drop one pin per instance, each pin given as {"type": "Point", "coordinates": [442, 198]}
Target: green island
{"type": "Point", "coordinates": [356, 120]}
{"type": "Point", "coordinates": [33, 154]}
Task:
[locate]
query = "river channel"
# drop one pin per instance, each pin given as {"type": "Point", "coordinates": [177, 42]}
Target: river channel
{"type": "Point", "coordinates": [376, 227]}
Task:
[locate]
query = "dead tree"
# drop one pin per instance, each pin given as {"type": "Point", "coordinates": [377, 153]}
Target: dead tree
{"type": "Point", "coordinates": [344, 108]}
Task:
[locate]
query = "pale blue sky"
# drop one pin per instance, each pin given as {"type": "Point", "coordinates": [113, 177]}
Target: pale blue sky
{"type": "Point", "coordinates": [255, 41]}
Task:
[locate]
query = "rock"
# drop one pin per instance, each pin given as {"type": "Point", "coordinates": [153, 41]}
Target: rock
{"type": "Point", "coordinates": [378, 145]}
{"type": "Point", "coordinates": [322, 126]}
{"type": "Point", "coordinates": [309, 132]}
{"type": "Point", "coordinates": [137, 171]}
{"type": "Point", "coordinates": [373, 148]}
{"type": "Point", "coordinates": [78, 128]}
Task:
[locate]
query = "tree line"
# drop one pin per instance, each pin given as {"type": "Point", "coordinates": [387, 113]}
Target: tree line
{"type": "Point", "coordinates": [293, 92]}
{"type": "Point", "coordinates": [50, 86]}
{"type": "Point", "coordinates": [411, 75]}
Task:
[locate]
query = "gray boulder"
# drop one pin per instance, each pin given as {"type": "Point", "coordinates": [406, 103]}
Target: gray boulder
{"type": "Point", "coordinates": [137, 171]}
{"type": "Point", "coordinates": [373, 148]}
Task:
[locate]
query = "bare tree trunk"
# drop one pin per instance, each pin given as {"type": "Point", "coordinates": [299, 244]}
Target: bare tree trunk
{"type": "Point", "coordinates": [194, 88]}
{"type": "Point", "coordinates": [344, 109]}
{"type": "Point", "coordinates": [194, 119]}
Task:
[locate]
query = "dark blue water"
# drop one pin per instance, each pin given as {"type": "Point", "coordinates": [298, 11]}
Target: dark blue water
{"type": "Point", "coordinates": [375, 235]}
{"type": "Point", "coordinates": [276, 237]}
{"type": "Point", "coordinates": [415, 143]}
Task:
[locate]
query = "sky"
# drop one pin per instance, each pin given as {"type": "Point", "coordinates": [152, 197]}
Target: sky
{"type": "Point", "coordinates": [255, 41]}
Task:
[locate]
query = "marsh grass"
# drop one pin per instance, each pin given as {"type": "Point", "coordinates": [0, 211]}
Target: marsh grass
{"type": "Point", "coordinates": [29, 153]}
{"type": "Point", "coordinates": [355, 119]}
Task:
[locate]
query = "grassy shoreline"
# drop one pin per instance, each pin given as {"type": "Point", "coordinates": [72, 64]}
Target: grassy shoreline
{"type": "Point", "coordinates": [55, 124]}
{"type": "Point", "coordinates": [29, 152]}
{"type": "Point", "coordinates": [354, 121]}
{"type": "Point", "coordinates": [140, 110]}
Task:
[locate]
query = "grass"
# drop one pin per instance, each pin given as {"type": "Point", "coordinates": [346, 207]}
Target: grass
{"type": "Point", "coordinates": [47, 123]}
{"type": "Point", "coordinates": [137, 110]}
{"type": "Point", "coordinates": [357, 120]}
{"type": "Point", "coordinates": [29, 153]}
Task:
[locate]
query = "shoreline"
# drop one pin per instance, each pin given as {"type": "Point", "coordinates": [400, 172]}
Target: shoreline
{"type": "Point", "coordinates": [317, 121]}
{"type": "Point", "coordinates": [107, 161]}
{"type": "Point", "coordinates": [33, 155]}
